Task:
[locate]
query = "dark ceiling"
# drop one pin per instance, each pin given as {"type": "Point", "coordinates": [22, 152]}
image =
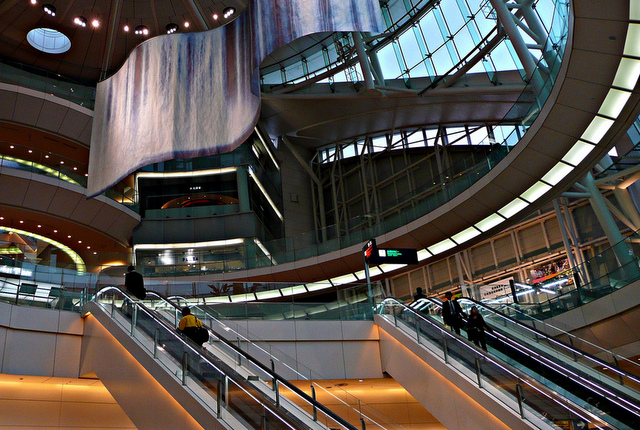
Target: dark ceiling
{"type": "Point", "coordinates": [98, 52]}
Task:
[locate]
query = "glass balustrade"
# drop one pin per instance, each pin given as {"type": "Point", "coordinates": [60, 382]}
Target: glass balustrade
{"type": "Point", "coordinates": [535, 398]}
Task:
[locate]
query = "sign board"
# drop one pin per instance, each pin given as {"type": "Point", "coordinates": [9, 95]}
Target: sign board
{"type": "Point", "coordinates": [375, 255]}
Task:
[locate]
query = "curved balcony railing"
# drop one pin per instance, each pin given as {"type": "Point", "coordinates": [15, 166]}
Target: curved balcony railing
{"type": "Point", "coordinates": [428, 39]}
{"type": "Point", "coordinates": [48, 83]}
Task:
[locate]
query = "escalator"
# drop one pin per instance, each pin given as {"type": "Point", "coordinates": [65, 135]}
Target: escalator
{"type": "Point", "coordinates": [237, 391]}
{"type": "Point", "coordinates": [592, 398]}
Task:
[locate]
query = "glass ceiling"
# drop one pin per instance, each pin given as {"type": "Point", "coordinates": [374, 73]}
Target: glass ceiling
{"type": "Point", "coordinates": [429, 39]}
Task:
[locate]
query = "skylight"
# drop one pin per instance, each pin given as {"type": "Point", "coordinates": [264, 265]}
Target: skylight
{"type": "Point", "coordinates": [48, 40]}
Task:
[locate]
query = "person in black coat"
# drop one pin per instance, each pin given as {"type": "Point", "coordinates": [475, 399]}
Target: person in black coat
{"type": "Point", "coordinates": [452, 312]}
{"type": "Point", "coordinates": [475, 328]}
{"type": "Point", "coordinates": [418, 295]}
{"type": "Point", "coordinates": [134, 283]}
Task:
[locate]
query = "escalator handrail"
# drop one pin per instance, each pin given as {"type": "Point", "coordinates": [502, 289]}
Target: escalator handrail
{"type": "Point", "coordinates": [523, 377]}
{"type": "Point", "coordinates": [571, 348]}
{"type": "Point", "coordinates": [274, 375]}
{"type": "Point", "coordinates": [615, 395]}
{"type": "Point", "coordinates": [232, 375]}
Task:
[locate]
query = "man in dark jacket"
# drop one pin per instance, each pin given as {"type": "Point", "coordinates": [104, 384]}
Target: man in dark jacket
{"type": "Point", "coordinates": [452, 313]}
{"type": "Point", "coordinates": [134, 283]}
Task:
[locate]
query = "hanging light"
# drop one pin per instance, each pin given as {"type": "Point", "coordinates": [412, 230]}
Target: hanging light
{"type": "Point", "coordinates": [49, 8]}
{"type": "Point", "coordinates": [80, 20]}
{"type": "Point", "coordinates": [142, 30]}
{"type": "Point", "coordinates": [228, 12]}
{"type": "Point", "coordinates": [171, 28]}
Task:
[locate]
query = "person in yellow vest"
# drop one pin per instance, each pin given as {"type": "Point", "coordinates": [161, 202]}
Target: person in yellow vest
{"type": "Point", "coordinates": [192, 327]}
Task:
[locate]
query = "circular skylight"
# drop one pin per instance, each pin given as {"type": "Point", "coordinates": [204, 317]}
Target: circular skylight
{"type": "Point", "coordinates": [48, 40]}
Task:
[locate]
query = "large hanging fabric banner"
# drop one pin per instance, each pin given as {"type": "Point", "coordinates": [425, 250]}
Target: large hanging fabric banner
{"type": "Point", "coordinates": [190, 95]}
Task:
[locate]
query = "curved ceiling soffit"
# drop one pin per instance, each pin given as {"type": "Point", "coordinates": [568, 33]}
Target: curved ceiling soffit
{"type": "Point", "coordinates": [189, 95]}
{"type": "Point", "coordinates": [48, 199]}
{"type": "Point", "coordinates": [548, 157]}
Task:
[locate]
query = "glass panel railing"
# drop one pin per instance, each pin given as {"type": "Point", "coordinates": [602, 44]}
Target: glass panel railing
{"type": "Point", "coordinates": [571, 372]}
{"type": "Point", "coordinates": [513, 385]}
{"type": "Point", "coordinates": [257, 350]}
{"type": "Point", "coordinates": [234, 388]}
{"type": "Point", "coordinates": [592, 367]}
{"type": "Point", "coordinates": [47, 82]}
{"type": "Point", "coordinates": [608, 271]}
{"type": "Point", "coordinates": [25, 293]}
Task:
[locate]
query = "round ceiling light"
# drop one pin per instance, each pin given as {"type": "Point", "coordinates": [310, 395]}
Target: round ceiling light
{"type": "Point", "coordinates": [48, 40]}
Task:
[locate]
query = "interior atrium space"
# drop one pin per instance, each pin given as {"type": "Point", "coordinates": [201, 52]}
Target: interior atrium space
{"type": "Point", "coordinates": [320, 214]}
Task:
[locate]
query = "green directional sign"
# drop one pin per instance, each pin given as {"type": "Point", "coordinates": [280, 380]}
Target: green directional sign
{"type": "Point", "coordinates": [375, 255]}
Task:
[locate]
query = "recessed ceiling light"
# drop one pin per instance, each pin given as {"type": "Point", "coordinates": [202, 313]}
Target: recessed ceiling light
{"type": "Point", "coordinates": [69, 236]}
{"type": "Point", "coordinates": [55, 231]}
{"type": "Point", "coordinates": [30, 151]}
{"type": "Point", "coordinates": [46, 156]}
{"type": "Point", "coordinates": [11, 146]}
{"type": "Point", "coordinates": [39, 225]}
{"type": "Point", "coordinates": [95, 23]}
{"type": "Point", "coordinates": [21, 222]}
{"type": "Point", "coordinates": [1, 218]}
{"type": "Point", "coordinates": [186, 24]}
{"type": "Point", "coordinates": [79, 241]}
{"type": "Point", "coordinates": [62, 162]}
{"type": "Point", "coordinates": [126, 28]}
{"type": "Point", "coordinates": [34, 1]}
{"type": "Point", "coordinates": [75, 168]}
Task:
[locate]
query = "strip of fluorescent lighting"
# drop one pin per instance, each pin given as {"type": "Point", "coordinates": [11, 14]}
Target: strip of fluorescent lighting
{"type": "Point", "coordinates": [344, 279]}
{"type": "Point", "coordinates": [513, 208]}
{"type": "Point", "coordinates": [614, 103]}
{"type": "Point", "coordinates": [536, 191]}
{"type": "Point", "coordinates": [441, 246]}
{"type": "Point", "coordinates": [315, 286]}
{"type": "Point", "coordinates": [269, 294]}
{"type": "Point", "coordinates": [386, 268]}
{"type": "Point", "coordinates": [489, 222]}
{"type": "Point", "coordinates": [578, 152]}
{"type": "Point", "coordinates": [266, 252]}
{"type": "Point", "coordinates": [628, 74]}
{"type": "Point", "coordinates": [632, 43]}
{"type": "Point", "coordinates": [465, 235]}
{"type": "Point", "coordinates": [423, 254]}
{"type": "Point", "coordinates": [264, 192]}
{"type": "Point", "coordinates": [190, 174]}
{"type": "Point", "coordinates": [266, 148]}
{"type": "Point", "coordinates": [210, 244]}
{"type": "Point", "coordinates": [634, 10]}
{"type": "Point", "coordinates": [79, 262]}
{"type": "Point", "coordinates": [597, 129]}
{"type": "Point", "coordinates": [557, 173]}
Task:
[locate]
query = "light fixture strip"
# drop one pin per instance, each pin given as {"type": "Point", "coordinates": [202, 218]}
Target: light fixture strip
{"type": "Point", "coordinates": [209, 244]}
{"type": "Point", "coordinates": [197, 173]}
{"type": "Point", "coordinates": [79, 262]}
{"type": "Point", "coordinates": [264, 192]}
{"type": "Point", "coordinates": [266, 148]}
